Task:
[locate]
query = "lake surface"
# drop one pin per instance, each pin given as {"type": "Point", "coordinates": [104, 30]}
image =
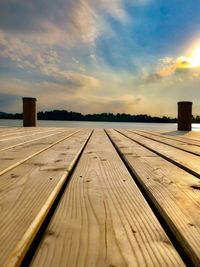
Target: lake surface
{"type": "Point", "coordinates": [94, 124]}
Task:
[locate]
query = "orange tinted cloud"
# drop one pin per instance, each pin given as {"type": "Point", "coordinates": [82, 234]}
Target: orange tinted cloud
{"type": "Point", "coordinates": [169, 66]}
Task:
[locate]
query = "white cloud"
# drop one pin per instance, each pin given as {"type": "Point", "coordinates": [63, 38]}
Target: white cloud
{"type": "Point", "coordinates": [14, 48]}
{"type": "Point", "coordinates": [46, 62]}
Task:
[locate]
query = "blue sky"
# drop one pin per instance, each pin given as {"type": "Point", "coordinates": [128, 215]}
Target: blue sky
{"type": "Point", "coordinates": [133, 56]}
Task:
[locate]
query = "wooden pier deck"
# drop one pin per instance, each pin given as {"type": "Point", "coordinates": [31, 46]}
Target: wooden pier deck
{"type": "Point", "coordinates": [95, 197]}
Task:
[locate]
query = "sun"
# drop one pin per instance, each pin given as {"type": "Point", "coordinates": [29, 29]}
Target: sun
{"type": "Point", "coordinates": [195, 57]}
{"type": "Point", "coordinates": [192, 60]}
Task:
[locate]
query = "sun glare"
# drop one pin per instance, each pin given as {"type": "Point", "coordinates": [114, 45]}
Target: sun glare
{"type": "Point", "coordinates": [195, 57]}
{"type": "Point", "coordinates": [190, 61]}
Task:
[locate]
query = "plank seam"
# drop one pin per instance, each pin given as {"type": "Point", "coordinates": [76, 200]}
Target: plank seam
{"type": "Point", "coordinates": [35, 154]}
{"type": "Point", "coordinates": [173, 138]}
{"type": "Point", "coordinates": [163, 156]}
{"type": "Point", "coordinates": [162, 142]}
{"type": "Point", "coordinates": [183, 254]}
{"type": "Point", "coordinates": [26, 135]}
{"type": "Point", "coordinates": [29, 141]}
{"type": "Point", "coordinates": [27, 246]}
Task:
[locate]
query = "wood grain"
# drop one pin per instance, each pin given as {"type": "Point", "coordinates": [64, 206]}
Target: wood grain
{"type": "Point", "coordinates": [24, 134]}
{"type": "Point", "coordinates": [173, 191]}
{"type": "Point", "coordinates": [192, 137]}
{"type": "Point", "coordinates": [38, 137]}
{"type": "Point", "coordinates": [14, 131]}
{"type": "Point", "coordinates": [173, 143]}
{"type": "Point", "coordinates": [185, 160]}
{"type": "Point", "coordinates": [25, 193]}
{"type": "Point", "coordinates": [5, 145]}
{"type": "Point", "coordinates": [103, 219]}
{"type": "Point", "coordinates": [16, 156]}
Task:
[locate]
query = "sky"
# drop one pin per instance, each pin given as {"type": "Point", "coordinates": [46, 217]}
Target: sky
{"type": "Point", "coordinates": [93, 56]}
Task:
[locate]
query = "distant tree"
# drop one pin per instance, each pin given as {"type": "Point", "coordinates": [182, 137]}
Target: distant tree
{"type": "Point", "coordinates": [76, 116]}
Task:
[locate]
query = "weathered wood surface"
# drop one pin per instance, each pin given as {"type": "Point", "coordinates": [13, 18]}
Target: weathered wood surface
{"type": "Point", "coordinates": [14, 142]}
{"type": "Point", "coordinates": [112, 213]}
{"type": "Point", "coordinates": [103, 219]}
{"type": "Point", "coordinates": [173, 143]}
{"type": "Point", "coordinates": [23, 134]}
{"type": "Point", "coordinates": [183, 159]}
{"type": "Point", "coordinates": [15, 132]}
{"type": "Point", "coordinates": [187, 137]}
{"type": "Point", "coordinates": [171, 189]}
{"type": "Point", "coordinates": [18, 155]}
{"type": "Point", "coordinates": [28, 192]}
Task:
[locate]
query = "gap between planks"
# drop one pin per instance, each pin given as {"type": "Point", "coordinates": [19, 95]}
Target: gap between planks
{"type": "Point", "coordinates": [28, 134]}
{"type": "Point", "coordinates": [103, 219]}
{"type": "Point", "coordinates": [17, 153]}
{"type": "Point", "coordinates": [173, 143]}
{"type": "Point", "coordinates": [182, 159]}
{"type": "Point", "coordinates": [176, 206]}
{"type": "Point", "coordinates": [18, 252]}
{"type": "Point", "coordinates": [36, 153]}
{"type": "Point", "coordinates": [4, 147]}
{"type": "Point", "coordinates": [186, 140]}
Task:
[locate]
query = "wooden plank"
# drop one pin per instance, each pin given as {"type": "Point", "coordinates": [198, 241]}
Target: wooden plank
{"type": "Point", "coordinates": [13, 131]}
{"type": "Point", "coordinates": [174, 192]}
{"type": "Point", "coordinates": [18, 142]}
{"type": "Point", "coordinates": [14, 135]}
{"type": "Point", "coordinates": [103, 219]}
{"type": "Point", "coordinates": [17, 156]}
{"type": "Point", "coordinates": [28, 192]}
{"type": "Point", "coordinates": [174, 143]}
{"type": "Point", "coordinates": [185, 160]}
{"type": "Point", "coordinates": [24, 135]}
{"type": "Point", "coordinates": [181, 138]}
{"type": "Point", "coordinates": [5, 129]}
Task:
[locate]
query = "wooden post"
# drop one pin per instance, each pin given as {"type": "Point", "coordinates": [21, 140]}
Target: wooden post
{"type": "Point", "coordinates": [29, 112]}
{"type": "Point", "coordinates": [184, 116]}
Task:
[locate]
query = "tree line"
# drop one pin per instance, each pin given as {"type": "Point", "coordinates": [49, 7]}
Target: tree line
{"type": "Point", "coordinates": [65, 115]}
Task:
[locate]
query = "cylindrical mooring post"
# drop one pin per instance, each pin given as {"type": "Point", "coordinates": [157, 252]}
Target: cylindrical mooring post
{"type": "Point", "coordinates": [184, 116]}
{"type": "Point", "coordinates": [29, 112]}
